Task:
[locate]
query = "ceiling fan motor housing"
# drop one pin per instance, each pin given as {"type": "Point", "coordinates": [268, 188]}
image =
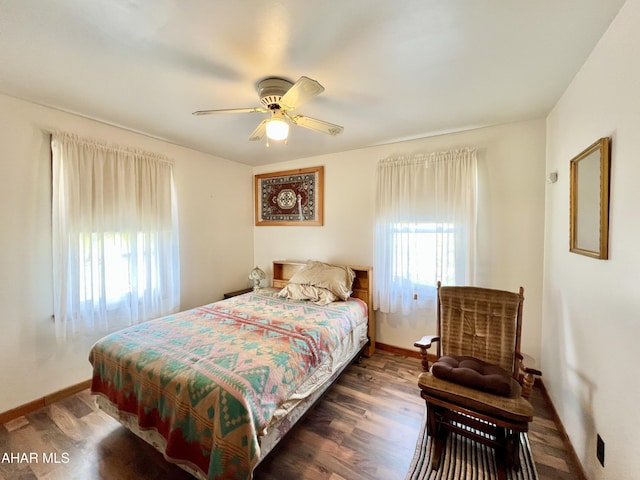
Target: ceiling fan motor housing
{"type": "Point", "coordinates": [271, 91]}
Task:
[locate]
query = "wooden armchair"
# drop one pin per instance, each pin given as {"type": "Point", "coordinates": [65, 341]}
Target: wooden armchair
{"type": "Point", "coordinates": [478, 328]}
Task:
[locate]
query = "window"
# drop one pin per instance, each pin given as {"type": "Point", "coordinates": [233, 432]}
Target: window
{"type": "Point", "coordinates": [424, 253]}
{"type": "Point", "coordinates": [116, 259]}
{"type": "Point", "coordinates": [123, 275]}
{"type": "Point", "coordinates": [425, 227]}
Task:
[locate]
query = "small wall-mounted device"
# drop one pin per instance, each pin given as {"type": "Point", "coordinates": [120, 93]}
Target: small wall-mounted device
{"type": "Point", "coordinates": [600, 449]}
{"type": "Point", "coordinates": [552, 177]}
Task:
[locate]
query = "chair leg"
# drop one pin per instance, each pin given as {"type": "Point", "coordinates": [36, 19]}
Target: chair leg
{"type": "Point", "coordinates": [507, 453]}
{"type": "Point", "coordinates": [502, 470]}
{"type": "Point", "coordinates": [440, 440]}
{"type": "Point", "coordinates": [437, 433]}
{"type": "Point", "coordinates": [432, 424]}
{"type": "Point", "coordinates": [513, 450]}
{"type": "Point", "coordinates": [501, 453]}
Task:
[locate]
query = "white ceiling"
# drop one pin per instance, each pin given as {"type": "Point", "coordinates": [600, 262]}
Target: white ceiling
{"type": "Point", "coordinates": [392, 70]}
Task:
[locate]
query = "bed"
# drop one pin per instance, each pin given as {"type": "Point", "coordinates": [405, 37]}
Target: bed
{"type": "Point", "coordinates": [215, 388]}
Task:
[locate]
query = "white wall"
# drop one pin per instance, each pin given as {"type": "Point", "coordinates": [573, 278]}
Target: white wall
{"type": "Point", "coordinates": [510, 219]}
{"type": "Point", "coordinates": [217, 232]}
{"type": "Point", "coordinates": [591, 307]}
{"type": "Point", "coordinates": [216, 241]}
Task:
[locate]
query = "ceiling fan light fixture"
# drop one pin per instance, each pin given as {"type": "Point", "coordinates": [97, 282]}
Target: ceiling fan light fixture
{"type": "Point", "coordinates": [279, 97]}
{"type": "Point", "coordinates": [277, 128]}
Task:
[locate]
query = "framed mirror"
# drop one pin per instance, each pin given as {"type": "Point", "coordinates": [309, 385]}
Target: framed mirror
{"type": "Point", "coordinates": [589, 207]}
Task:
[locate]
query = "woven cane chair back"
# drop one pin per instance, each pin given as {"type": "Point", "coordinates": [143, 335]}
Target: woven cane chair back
{"type": "Point", "coordinates": [482, 323]}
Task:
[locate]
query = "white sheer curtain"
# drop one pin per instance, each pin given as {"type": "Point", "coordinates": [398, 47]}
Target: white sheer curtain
{"type": "Point", "coordinates": [425, 227]}
{"type": "Point", "coordinates": [115, 236]}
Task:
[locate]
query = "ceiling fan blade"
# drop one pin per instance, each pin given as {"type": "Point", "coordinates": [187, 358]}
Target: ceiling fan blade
{"type": "Point", "coordinates": [260, 131]}
{"type": "Point", "coordinates": [301, 91]}
{"type": "Point", "coordinates": [317, 125]}
{"type": "Point", "coordinates": [232, 110]}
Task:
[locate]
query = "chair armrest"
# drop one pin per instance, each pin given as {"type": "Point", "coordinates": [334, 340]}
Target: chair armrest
{"type": "Point", "coordinates": [424, 344]}
{"type": "Point", "coordinates": [531, 371]}
{"type": "Point", "coordinates": [524, 368]}
{"type": "Point", "coordinates": [426, 341]}
{"type": "Point", "coordinates": [528, 375]}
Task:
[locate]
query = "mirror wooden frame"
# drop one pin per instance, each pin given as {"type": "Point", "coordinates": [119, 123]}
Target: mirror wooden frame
{"type": "Point", "coordinates": [589, 204]}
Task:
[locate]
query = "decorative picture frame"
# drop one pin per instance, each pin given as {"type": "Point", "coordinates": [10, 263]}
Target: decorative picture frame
{"type": "Point", "coordinates": [589, 204]}
{"type": "Point", "coordinates": [291, 197]}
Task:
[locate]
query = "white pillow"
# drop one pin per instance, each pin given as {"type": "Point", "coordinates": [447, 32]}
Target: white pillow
{"type": "Point", "coordinates": [328, 283]}
{"type": "Point", "coordinates": [317, 295]}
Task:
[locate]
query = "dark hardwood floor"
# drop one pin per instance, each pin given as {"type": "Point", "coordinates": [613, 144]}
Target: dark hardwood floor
{"type": "Point", "coordinates": [364, 428]}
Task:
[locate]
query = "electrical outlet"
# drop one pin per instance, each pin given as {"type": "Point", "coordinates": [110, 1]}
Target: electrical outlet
{"type": "Point", "coordinates": [600, 450]}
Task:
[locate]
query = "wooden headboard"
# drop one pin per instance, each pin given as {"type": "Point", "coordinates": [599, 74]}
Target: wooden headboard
{"type": "Point", "coordinates": [283, 270]}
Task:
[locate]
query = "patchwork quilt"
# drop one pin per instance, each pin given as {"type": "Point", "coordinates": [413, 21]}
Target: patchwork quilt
{"type": "Point", "coordinates": [209, 379]}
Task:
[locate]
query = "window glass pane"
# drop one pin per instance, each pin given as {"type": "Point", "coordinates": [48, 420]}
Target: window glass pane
{"type": "Point", "coordinates": [424, 253]}
{"type": "Point", "coordinates": [106, 266]}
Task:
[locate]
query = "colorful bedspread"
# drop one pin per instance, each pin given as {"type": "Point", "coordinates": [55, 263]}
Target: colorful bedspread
{"type": "Point", "coordinates": [209, 379]}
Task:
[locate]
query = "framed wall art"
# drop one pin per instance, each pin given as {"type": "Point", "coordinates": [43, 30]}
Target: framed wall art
{"type": "Point", "coordinates": [291, 197]}
{"type": "Point", "coordinates": [589, 207]}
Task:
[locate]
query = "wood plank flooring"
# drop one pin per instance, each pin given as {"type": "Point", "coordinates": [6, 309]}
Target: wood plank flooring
{"type": "Point", "coordinates": [364, 428]}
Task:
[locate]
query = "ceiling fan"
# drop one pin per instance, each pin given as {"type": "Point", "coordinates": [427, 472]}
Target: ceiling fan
{"type": "Point", "coordinates": [279, 97]}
